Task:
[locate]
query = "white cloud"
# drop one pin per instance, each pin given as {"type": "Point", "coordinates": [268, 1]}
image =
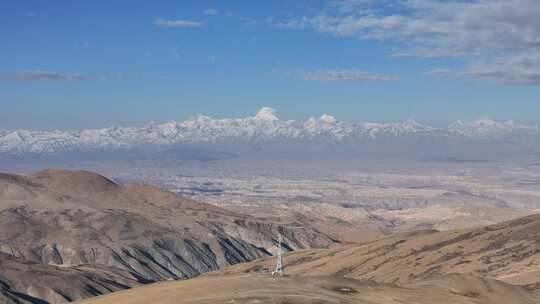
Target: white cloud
{"type": "Point", "coordinates": [521, 69]}
{"type": "Point", "coordinates": [441, 72]}
{"type": "Point", "coordinates": [344, 76]}
{"type": "Point", "coordinates": [48, 76]}
{"type": "Point", "coordinates": [177, 23]}
{"type": "Point", "coordinates": [41, 75]}
{"type": "Point", "coordinates": [211, 12]}
{"type": "Point", "coordinates": [483, 33]}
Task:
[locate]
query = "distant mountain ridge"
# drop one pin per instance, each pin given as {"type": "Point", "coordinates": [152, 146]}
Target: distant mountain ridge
{"type": "Point", "coordinates": [265, 126]}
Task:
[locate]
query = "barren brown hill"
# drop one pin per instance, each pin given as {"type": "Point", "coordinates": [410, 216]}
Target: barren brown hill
{"type": "Point", "coordinates": [55, 283]}
{"type": "Point", "coordinates": [454, 267]}
{"type": "Point", "coordinates": [509, 251]}
{"type": "Point", "coordinates": [77, 219]}
{"type": "Point", "coordinates": [252, 288]}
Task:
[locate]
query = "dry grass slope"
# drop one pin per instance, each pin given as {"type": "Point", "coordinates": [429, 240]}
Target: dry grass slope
{"type": "Point", "coordinates": [509, 251]}
{"type": "Point", "coordinates": [251, 288]}
{"type": "Point", "coordinates": [423, 267]}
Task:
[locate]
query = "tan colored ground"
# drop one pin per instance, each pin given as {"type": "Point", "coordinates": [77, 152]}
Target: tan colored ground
{"type": "Point", "coordinates": [252, 288]}
{"type": "Point", "coordinates": [452, 267]}
{"type": "Point", "coordinates": [79, 218]}
{"type": "Point", "coordinates": [60, 226]}
{"type": "Point", "coordinates": [509, 251]}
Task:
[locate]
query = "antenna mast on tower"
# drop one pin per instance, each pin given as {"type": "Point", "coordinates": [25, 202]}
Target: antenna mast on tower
{"type": "Point", "coordinates": [279, 263]}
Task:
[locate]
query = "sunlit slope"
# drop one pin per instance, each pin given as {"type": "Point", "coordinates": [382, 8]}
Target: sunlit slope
{"type": "Point", "coordinates": [509, 251]}
{"type": "Point", "coordinates": [252, 288]}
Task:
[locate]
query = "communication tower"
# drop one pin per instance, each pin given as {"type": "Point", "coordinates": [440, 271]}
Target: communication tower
{"type": "Point", "coordinates": [279, 263]}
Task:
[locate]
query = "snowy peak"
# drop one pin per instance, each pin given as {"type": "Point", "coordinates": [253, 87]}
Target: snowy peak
{"type": "Point", "coordinates": [265, 125]}
{"type": "Point", "coordinates": [267, 114]}
{"type": "Point", "coordinates": [489, 128]}
{"type": "Point", "coordinates": [328, 119]}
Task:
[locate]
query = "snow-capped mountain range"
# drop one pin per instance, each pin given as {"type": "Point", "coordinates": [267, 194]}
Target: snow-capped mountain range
{"type": "Point", "coordinates": [264, 126]}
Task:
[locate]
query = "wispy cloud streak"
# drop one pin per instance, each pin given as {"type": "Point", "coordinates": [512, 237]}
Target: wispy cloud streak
{"type": "Point", "coordinates": [344, 76]}
{"type": "Point", "coordinates": [177, 23]}
{"type": "Point", "coordinates": [48, 76]}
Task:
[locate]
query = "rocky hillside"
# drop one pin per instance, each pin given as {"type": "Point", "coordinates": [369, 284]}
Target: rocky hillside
{"type": "Point", "coordinates": [22, 281]}
{"type": "Point", "coordinates": [475, 266]}
{"type": "Point", "coordinates": [509, 251]}
{"type": "Point", "coordinates": [84, 228]}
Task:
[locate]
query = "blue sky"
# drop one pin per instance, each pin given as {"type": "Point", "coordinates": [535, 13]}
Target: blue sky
{"type": "Point", "coordinates": [82, 64]}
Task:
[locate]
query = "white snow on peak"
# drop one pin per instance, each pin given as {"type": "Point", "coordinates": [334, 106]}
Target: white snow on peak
{"type": "Point", "coordinates": [264, 126]}
{"type": "Point", "coordinates": [488, 128]}
{"type": "Point", "coordinates": [267, 114]}
{"type": "Point", "coordinates": [328, 119]}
